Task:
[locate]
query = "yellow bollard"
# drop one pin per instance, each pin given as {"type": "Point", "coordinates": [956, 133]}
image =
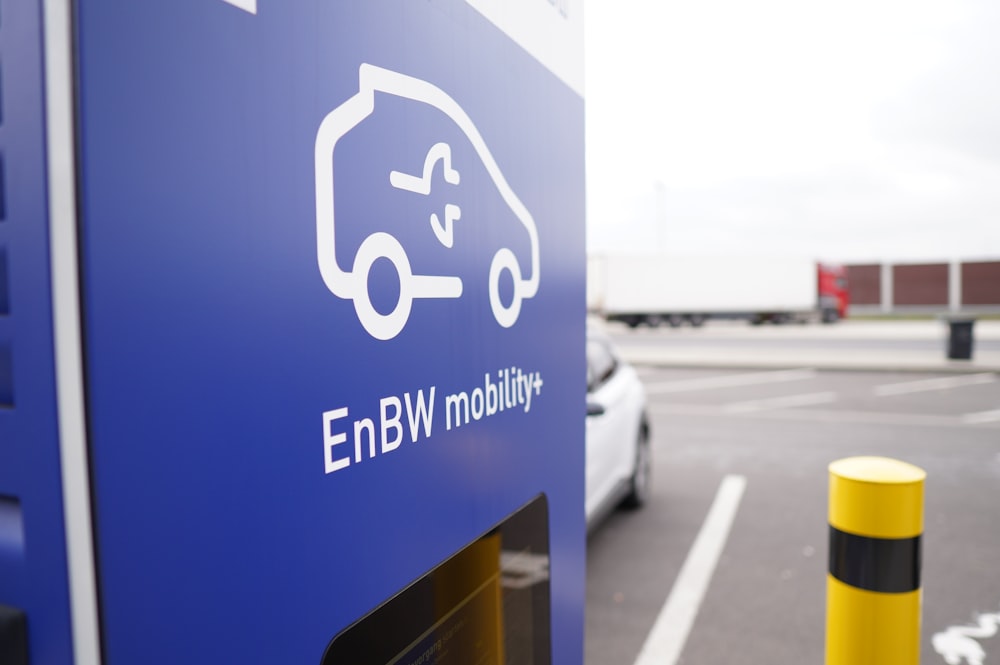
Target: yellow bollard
{"type": "Point", "coordinates": [873, 585]}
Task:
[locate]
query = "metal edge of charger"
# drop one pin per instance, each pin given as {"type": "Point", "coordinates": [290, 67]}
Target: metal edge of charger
{"type": "Point", "coordinates": [57, 37]}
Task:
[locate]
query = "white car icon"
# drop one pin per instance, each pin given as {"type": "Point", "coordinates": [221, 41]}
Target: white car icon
{"type": "Point", "coordinates": [353, 284]}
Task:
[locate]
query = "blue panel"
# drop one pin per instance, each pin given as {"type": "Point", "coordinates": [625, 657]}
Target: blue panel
{"type": "Point", "coordinates": [215, 344]}
{"type": "Point", "coordinates": [32, 542]}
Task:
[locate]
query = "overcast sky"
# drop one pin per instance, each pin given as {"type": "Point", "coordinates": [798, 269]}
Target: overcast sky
{"type": "Point", "coordinates": [852, 130]}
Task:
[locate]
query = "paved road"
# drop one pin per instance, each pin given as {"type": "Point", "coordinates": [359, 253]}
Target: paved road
{"type": "Point", "coordinates": [780, 429]}
{"type": "Point", "coordinates": [864, 345]}
{"type": "Point", "coordinates": [695, 339]}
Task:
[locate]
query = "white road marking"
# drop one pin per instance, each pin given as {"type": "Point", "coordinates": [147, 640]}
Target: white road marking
{"type": "Point", "coordinates": [665, 641]}
{"type": "Point", "coordinates": [729, 381]}
{"type": "Point", "coordinates": [814, 415]}
{"type": "Point", "coordinates": [943, 383]}
{"type": "Point", "coordinates": [806, 399]}
{"type": "Point", "coordinates": [958, 643]}
{"type": "Point", "coordinates": [863, 418]}
{"type": "Point", "coordinates": [981, 417]}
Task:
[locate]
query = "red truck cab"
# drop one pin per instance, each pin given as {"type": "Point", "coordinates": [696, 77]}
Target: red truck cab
{"type": "Point", "coordinates": [833, 296]}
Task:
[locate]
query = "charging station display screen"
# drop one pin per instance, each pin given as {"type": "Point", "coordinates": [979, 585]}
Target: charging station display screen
{"type": "Point", "coordinates": [486, 605]}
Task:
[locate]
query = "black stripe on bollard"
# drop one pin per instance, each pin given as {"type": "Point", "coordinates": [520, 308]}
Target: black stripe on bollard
{"type": "Point", "coordinates": [886, 565]}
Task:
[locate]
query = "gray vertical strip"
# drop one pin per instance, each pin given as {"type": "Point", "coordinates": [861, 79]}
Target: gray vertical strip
{"type": "Point", "coordinates": [887, 288]}
{"type": "Point", "coordinates": [954, 286]}
{"type": "Point", "coordinates": [59, 105]}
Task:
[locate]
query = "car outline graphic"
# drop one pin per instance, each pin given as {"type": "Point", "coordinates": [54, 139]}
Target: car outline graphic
{"type": "Point", "coordinates": [353, 285]}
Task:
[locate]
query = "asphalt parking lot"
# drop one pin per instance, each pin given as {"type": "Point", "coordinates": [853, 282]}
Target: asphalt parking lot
{"type": "Point", "coordinates": [778, 428]}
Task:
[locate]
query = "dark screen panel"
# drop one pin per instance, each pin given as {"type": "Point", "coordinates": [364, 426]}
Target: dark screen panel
{"type": "Point", "coordinates": [488, 604]}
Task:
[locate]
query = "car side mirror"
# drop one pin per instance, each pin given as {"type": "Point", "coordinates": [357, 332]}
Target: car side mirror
{"type": "Point", "coordinates": [594, 409]}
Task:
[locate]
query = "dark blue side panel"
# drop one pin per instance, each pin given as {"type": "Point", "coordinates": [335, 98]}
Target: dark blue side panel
{"type": "Point", "coordinates": [238, 520]}
{"type": "Point", "coordinates": [32, 542]}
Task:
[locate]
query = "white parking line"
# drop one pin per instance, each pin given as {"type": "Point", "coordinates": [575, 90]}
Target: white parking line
{"type": "Point", "coordinates": [839, 416]}
{"type": "Point", "coordinates": [806, 399]}
{"type": "Point", "coordinates": [665, 641]}
{"type": "Point", "coordinates": [981, 417]}
{"type": "Point", "coordinates": [729, 381]}
{"type": "Point", "coordinates": [944, 383]}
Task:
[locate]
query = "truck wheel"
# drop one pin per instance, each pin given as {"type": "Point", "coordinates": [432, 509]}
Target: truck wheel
{"type": "Point", "coordinates": [633, 321]}
{"type": "Point", "coordinates": [830, 316]}
{"type": "Point", "coordinates": [654, 320]}
{"type": "Point", "coordinates": [675, 320]}
{"type": "Point", "coordinates": [696, 320]}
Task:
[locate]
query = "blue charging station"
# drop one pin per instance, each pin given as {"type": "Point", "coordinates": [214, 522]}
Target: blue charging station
{"type": "Point", "coordinates": [291, 332]}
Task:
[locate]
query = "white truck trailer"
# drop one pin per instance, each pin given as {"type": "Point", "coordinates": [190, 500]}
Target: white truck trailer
{"type": "Point", "coordinates": [654, 289]}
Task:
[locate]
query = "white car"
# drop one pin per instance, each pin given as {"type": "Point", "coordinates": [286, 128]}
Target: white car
{"type": "Point", "coordinates": [618, 438]}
